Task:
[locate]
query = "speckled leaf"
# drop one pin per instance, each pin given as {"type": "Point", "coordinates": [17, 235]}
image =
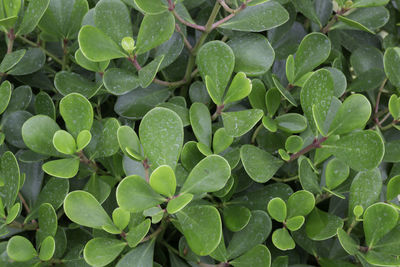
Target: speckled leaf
{"type": "Point", "coordinates": [77, 113]}
{"type": "Point", "coordinates": [391, 62]}
{"type": "Point", "coordinates": [44, 105]}
{"type": "Point", "coordinates": [32, 16]}
{"type": "Point", "coordinates": [120, 81]}
{"type": "Point", "coordinates": [258, 18]}
{"type": "Point", "coordinates": [10, 60]}
{"type": "Point", "coordinates": [161, 134]}
{"type": "Point", "coordinates": [259, 164]}
{"type": "Point", "coordinates": [240, 122]}
{"type": "Point", "coordinates": [291, 122]}
{"type": "Point", "coordinates": [38, 133]}
{"type": "Point", "coordinates": [10, 175]}
{"type": "Point", "coordinates": [336, 173]}
{"type": "Point", "coordinates": [69, 82]}
{"type": "Point", "coordinates": [202, 228]}
{"type": "Point", "coordinates": [318, 91]}
{"type": "Point", "coordinates": [216, 60]}
{"type": "Point", "coordinates": [32, 61]}
{"type": "Point", "coordinates": [155, 30]}
{"type": "Point", "coordinates": [148, 72]}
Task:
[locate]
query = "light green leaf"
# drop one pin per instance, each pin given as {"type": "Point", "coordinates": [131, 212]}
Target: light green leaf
{"type": "Point", "coordinates": [47, 222]}
{"type": "Point", "coordinates": [295, 223]}
{"type": "Point", "coordinates": [83, 139]}
{"type": "Point", "coordinates": [32, 16]}
{"type": "Point", "coordinates": [151, 7]}
{"type": "Point", "coordinates": [282, 239]}
{"type": "Point", "coordinates": [259, 164]}
{"type": "Point", "coordinates": [221, 140]}
{"type": "Point", "coordinates": [84, 209]}
{"type": "Point", "coordinates": [253, 54]}
{"type": "Point", "coordinates": [88, 64]}
{"type": "Point", "coordinates": [322, 225]}
{"type": "Point", "coordinates": [12, 214]}
{"type": "Point", "coordinates": [314, 49]}
{"type": "Point", "coordinates": [361, 150]}
{"type": "Point", "coordinates": [137, 233]}
{"type": "Point", "coordinates": [64, 142]}
{"type": "Point", "coordinates": [258, 18]}
{"type": "Point", "coordinates": [353, 114]}
{"type": "Point", "coordinates": [134, 194]}
{"type": "Point", "coordinates": [129, 142]}
{"type": "Point", "coordinates": [318, 91]}
{"type": "Point", "coordinates": [236, 217]}
{"type": "Point", "coordinates": [38, 132]}
{"type": "Point", "coordinates": [148, 72]}
{"type": "Point", "coordinates": [202, 228]}
{"type": "Point", "coordinates": [216, 61]}
{"type": "Point", "coordinates": [200, 120]}
{"type": "Point", "coordinates": [294, 143]}
{"type": "Point", "coordinates": [97, 46]}
{"type": "Point", "coordinates": [5, 95]}
{"type": "Point", "coordinates": [347, 242]}
{"type": "Point", "coordinates": [393, 188]}
{"type": "Point", "coordinates": [10, 176]}
{"type": "Point", "coordinates": [163, 180]}
{"type": "Point", "coordinates": [154, 30]}
{"type": "Point", "coordinates": [277, 209]}
{"type": "Point", "coordinates": [291, 122]}
{"type": "Point", "coordinates": [101, 251]}
{"type": "Point", "coordinates": [178, 203]}
{"type": "Point", "coordinates": [300, 203]}
{"type": "Point", "coordinates": [20, 249]}
{"type": "Point", "coordinates": [394, 106]}
{"type": "Point", "coordinates": [239, 88]}
{"type": "Point", "coordinates": [255, 232]}
{"type": "Point", "coordinates": [257, 256]}
{"type": "Point", "coordinates": [240, 122]}
{"type": "Point", "coordinates": [47, 249]}
{"type": "Point", "coordinates": [201, 180]}
{"type": "Point", "coordinates": [161, 134]}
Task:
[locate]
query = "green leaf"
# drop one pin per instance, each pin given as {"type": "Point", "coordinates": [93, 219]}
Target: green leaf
{"type": "Point", "coordinates": [284, 92]}
{"type": "Point", "coordinates": [113, 18]}
{"type": "Point", "coordinates": [44, 105]}
{"type": "Point", "coordinates": [391, 62]}
{"type": "Point", "coordinates": [300, 203]}
{"type": "Point", "coordinates": [361, 150]}
{"type": "Point", "coordinates": [353, 114]}
{"type": "Point", "coordinates": [277, 209]}
{"type": "Point", "coordinates": [97, 46]}
{"type": "Point", "coordinates": [5, 95]}
{"type": "Point", "coordinates": [10, 60]}
{"type": "Point", "coordinates": [47, 249]}
{"type": "Point", "coordinates": [393, 188]}
{"type": "Point", "coordinates": [314, 49]}
{"type": "Point", "coordinates": [62, 168]}
{"type": "Point", "coordinates": [390, 242]}
{"type": "Point", "coordinates": [307, 8]}
{"type": "Point", "coordinates": [120, 81]}
{"type": "Point", "coordinates": [291, 122]}
{"type": "Point", "coordinates": [151, 7]}
{"type": "Point", "coordinates": [10, 176]}
{"type": "Point", "coordinates": [236, 217]}
{"type": "Point", "coordinates": [282, 239]}
{"type": "Point", "coordinates": [38, 132]}
{"type": "Point", "coordinates": [13, 213]}
{"type": "Point", "coordinates": [32, 16]}
{"type": "Point", "coordinates": [347, 242]}
{"type": "Point", "coordinates": [257, 256]}
{"type": "Point", "coordinates": [290, 69]}
{"type": "Point", "coordinates": [20, 249]}
{"type": "Point", "coordinates": [134, 194]}
{"type": "Point", "coordinates": [163, 180]}
{"type": "Point", "coordinates": [84, 209]}
{"type": "Point", "coordinates": [77, 113]}
{"type": "Point", "coordinates": [129, 142]}
{"type": "Point", "coordinates": [257, 95]}
{"type": "Point", "coordinates": [216, 61]}
{"type": "Point", "coordinates": [239, 88]}
{"type": "Point", "coordinates": [394, 106]}
{"type": "Point", "coordinates": [154, 30]}
{"type": "Point", "coordinates": [294, 143]}
{"type": "Point", "coordinates": [369, 3]}
{"type": "Point", "coordinates": [101, 251]}
{"type": "Point", "coordinates": [258, 18]}
{"type": "Point", "coordinates": [83, 139]}
{"type": "Point", "coordinates": [295, 223]}
{"type": "Point", "coordinates": [62, 19]}
{"type": "Point", "coordinates": [366, 19]}
{"type": "Point", "coordinates": [221, 140]}
{"type": "Point", "coordinates": [161, 134]}
{"type": "Point", "coordinates": [178, 203]}
{"type": "Point", "coordinates": [364, 190]}
{"type": "Point", "coordinates": [64, 142]}
{"type": "Point", "coordinates": [255, 232]}
{"type": "Point", "coordinates": [201, 180]}
{"type": "Point", "coordinates": [322, 225]}
{"type": "Point", "coordinates": [148, 72]}
{"type": "Point", "coordinates": [88, 64]}
{"type": "Point", "coordinates": [259, 164]}
{"type": "Point", "coordinates": [137, 233]}
{"type": "Point", "coordinates": [32, 61]}
{"type": "Point", "coordinates": [253, 54]}
{"type": "Point", "coordinates": [380, 214]}
{"type": "Point", "coordinates": [240, 122]}
{"type": "Point", "coordinates": [140, 256]}
{"type": "Point", "coordinates": [318, 91]}
{"type": "Point", "coordinates": [336, 173]}
{"type": "Point", "coordinates": [308, 178]}
{"type": "Point", "coordinates": [200, 120]}
{"type": "Point", "coordinates": [69, 82]}
{"type": "Point", "coordinates": [202, 228]}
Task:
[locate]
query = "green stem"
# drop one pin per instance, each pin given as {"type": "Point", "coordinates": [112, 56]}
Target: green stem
{"type": "Point", "coordinates": [285, 180]}
{"type": "Point", "coordinates": [253, 138]}
{"type": "Point", "coordinates": [387, 127]}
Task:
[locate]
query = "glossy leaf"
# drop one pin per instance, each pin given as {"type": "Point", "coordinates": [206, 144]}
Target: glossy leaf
{"type": "Point", "coordinates": [20, 249]}
{"type": "Point", "coordinates": [163, 180]}
{"type": "Point", "coordinates": [236, 217]}
{"type": "Point", "coordinates": [240, 122]}
{"type": "Point", "coordinates": [200, 120]}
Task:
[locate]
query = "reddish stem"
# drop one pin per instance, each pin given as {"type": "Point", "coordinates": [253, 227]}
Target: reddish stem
{"type": "Point", "coordinates": [315, 144]}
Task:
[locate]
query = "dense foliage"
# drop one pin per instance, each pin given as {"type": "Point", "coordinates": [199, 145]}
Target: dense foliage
{"type": "Point", "coordinates": [139, 133]}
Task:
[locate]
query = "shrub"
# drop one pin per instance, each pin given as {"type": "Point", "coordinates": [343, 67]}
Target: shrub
{"type": "Point", "coordinates": [200, 133]}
